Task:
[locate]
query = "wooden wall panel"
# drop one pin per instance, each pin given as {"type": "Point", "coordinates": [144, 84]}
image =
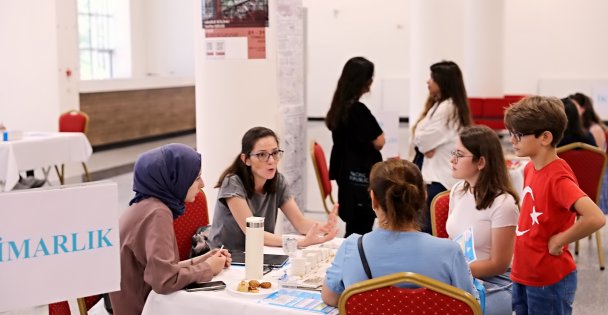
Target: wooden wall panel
{"type": "Point", "coordinates": [130, 115]}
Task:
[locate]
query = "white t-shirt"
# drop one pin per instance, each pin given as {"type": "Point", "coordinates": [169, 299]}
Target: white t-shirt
{"type": "Point", "coordinates": [463, 214]}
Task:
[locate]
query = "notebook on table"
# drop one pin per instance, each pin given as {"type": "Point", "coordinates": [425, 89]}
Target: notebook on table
{"type": "Point", "coordinates": [273, 260]}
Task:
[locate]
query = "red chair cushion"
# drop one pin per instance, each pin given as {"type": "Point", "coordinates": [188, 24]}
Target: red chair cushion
{"type": "Point", "coordinates": [63, 308]}
{"type": "Point", "coordinates": [476, 106]}
{"type": "Point", "coordinates": [196, 215]}
{"type": "Point", "coordinates": [494, 107]}
{"type": "Point", "coordinates": [442, 208]}
{"type": "Point", "coordinates": [322, 168]}
{"type": "Point", "coordinates": [72, 122]}
{"type": "Point", "coordinates": [587, 166]}
{"type": "Point", "coordinates": [394, 300]}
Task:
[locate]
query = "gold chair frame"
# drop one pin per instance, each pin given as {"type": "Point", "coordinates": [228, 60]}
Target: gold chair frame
{"type": "Point", "coordinates": [413, 278]}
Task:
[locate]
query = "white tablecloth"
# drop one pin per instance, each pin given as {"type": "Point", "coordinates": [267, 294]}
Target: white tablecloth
{"type": "Point", "coordinates": [40, 149]}
{"type": "Point", "coordinates": [219, 302]}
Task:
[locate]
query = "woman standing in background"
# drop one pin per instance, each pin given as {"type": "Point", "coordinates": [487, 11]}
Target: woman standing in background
{"type": "Point", "coordinates": [357, 138]}
{"type": "Point", "coordinates": [436, 131]}
{"type": "Point", "coordinates": [591, 121]}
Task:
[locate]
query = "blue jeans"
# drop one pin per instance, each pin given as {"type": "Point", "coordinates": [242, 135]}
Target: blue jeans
{"type": "Point", "coordinates": [498, 294]}
{"type": "Point", "coordinates": [551, 299]}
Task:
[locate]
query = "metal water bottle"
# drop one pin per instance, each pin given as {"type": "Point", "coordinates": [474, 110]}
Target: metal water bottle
{"type": "Point", "coordinates": [254, 248]}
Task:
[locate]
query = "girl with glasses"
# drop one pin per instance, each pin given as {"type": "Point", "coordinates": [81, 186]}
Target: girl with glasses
{"type": "Point", "coordinates": [252, 186]}
{"type": "Point", "coordinates": [357, 138]}
{"type": "Point", "coordinates": [485, 200]}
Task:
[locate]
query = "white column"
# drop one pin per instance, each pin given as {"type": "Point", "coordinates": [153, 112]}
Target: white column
{"type": "Point", "coordinates": [436, 34]}
{"type": "Point", "coordinates": [483, 50]}
{"type": "Point", "coordinates": [234, 95]}
{"type": "Point", "coordinates": [39, 44]}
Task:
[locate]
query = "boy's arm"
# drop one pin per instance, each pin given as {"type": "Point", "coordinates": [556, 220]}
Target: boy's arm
{"type": "Point", "coordinates": [591, 219]}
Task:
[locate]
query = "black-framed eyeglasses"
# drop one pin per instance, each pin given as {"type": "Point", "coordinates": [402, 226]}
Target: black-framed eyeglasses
{"type": "Point", "coordinates": [457, 155]}
{"type": "Point", "coordinates": [265, 156]}
{"type": "Point", "coordinates": [519, 135]}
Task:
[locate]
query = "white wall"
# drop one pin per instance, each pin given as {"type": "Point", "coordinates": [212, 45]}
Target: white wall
{"type": "Point", "coordinates": [553, 39]}
{"type": "Point", "coordinates": [162, 34]}
{"type": "Point", "coordinates": [340, 29]}
{"type": "Point", "coordinates": [33, 87]}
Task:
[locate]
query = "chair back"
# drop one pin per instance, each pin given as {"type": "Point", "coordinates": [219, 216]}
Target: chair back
{"type": "Point", "coordinates": [63, 308]}
{"type": "Point", "coordinates": [440, 207]}
{"type": "Point", "coordinates": [73, 121]}
{"type": "Point", "coordinates": [381, 296]}
{"type": "Point", "coordinates": [588, 164]}
{"type": "Point", "coordinates": [320, 165]}
{"type": "Point", "coordinates": [196, 215]}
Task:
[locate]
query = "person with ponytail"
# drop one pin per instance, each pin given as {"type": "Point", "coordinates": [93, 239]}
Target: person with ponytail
{"type": "Point", "coordinates": [163, 179]}
{"type": "Point", "coordinates": [398, 196]}
{"type": "Point", "coordinates": [485, 201]}
{"type": "Point", "coordinates": [357, 139]}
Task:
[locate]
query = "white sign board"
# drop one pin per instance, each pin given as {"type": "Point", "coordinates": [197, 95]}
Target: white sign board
{"type": "Point", "coordinates": [58, 243]}
{"type": "Point", "coordinates": [389, 122]}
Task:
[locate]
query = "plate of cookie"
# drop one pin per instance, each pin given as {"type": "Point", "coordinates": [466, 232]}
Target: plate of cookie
{"type": "Point", "coordinates": [253, 288]}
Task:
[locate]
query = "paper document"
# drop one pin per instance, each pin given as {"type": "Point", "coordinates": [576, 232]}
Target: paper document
{"type": "Point", "coordinates": [467, 245]}
{"type": "Point", "coordinates": [301, 300]}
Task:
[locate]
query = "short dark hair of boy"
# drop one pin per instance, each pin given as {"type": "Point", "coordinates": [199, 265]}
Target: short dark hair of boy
{"type": "Point", "coordinates": [535, 115]}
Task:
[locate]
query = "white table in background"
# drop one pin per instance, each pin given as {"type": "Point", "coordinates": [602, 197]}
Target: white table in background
{"type": "Point", "coordinates": [40, 150]}
{"type": "Point", "coordinates": [220, 302]}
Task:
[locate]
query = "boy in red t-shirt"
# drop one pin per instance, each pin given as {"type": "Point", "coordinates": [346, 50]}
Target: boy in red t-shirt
{"type": "Point", "coordinates": [543, 270]}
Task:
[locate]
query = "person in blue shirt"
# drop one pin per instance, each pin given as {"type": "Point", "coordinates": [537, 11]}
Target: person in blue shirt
{"type": "Point", "coordinates": [398, 198]}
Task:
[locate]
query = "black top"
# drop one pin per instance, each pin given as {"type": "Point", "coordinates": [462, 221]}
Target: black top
{"type": "Point", "coordinates": [569, 138]}
{"type": "Point", "coordinates": [353, 148]}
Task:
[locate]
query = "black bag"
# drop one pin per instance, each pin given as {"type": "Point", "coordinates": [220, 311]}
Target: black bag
{"type": "Point", "coordinates": [200, 241]}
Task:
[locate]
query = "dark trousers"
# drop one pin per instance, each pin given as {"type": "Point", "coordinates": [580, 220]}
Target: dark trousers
{"type": "Point", "coordinates": [432, 190]}
{"type": "Point", "coordinates": [355, 208]}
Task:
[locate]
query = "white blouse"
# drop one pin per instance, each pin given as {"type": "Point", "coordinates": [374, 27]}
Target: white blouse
{"type": "Point", "coordinates": [434, 132]}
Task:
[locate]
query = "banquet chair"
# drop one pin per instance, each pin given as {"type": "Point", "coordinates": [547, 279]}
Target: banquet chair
{"type": "Point", "coordinates": [84, 304]}
{"type": "Point", "coordinates": [429, 296]}
{"type": "Point", "coordinates": [440, 206]}
{"type": "Point", "coordinates": [320, 165]}
{"type": "Point", "coordinates": [73, 121]}
{"type": "Point", "coordinates": [196, 215]}
{"type": "Point", "coordinates": [588, 164]}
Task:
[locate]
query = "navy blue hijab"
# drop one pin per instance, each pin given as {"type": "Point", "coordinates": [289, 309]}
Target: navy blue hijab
{"type": "Point", "coordinates": [166, 173]}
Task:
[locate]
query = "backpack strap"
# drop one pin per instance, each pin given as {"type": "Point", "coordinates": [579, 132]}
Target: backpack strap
{"type": "Point", "coordinates": [368, 272]}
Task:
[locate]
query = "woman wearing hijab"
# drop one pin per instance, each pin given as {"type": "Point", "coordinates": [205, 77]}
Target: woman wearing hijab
{"type": "Point", "coordinates": [164, 178]}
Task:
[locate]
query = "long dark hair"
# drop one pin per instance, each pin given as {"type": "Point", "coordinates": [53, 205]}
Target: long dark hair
{"type": "Point", "coordinates": [493, 179]}
{"type": "Point", "coordinates": [448, 77]}
{"type": "Point", "coordinates": [240, 169]}
{"type": "Point", "coordinates": [354, 81]}
{"type": "Point", "coordinates": [589, 117]}
{"type": "Point", "coordinates": [574, 120]}
{"type": "Point", "coordinates": [399, 189]}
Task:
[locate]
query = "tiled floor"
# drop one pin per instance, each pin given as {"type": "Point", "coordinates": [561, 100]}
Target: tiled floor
{"type": "Point", "coordinates": [115, 165]}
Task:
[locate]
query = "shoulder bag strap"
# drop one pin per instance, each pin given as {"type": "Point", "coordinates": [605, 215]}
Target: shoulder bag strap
{"type": "Point", "coordinates": [368, 272]}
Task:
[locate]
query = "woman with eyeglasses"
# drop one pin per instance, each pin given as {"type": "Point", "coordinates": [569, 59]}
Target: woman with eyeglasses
{"type": "Point", "coordinates": [485, 201]}
{"type": "Point", "coordinates": [435, 133]}
{"type": "Point", "coordinates": [252, 186]}
{"type": "Point", "coordinates": [357, 138]}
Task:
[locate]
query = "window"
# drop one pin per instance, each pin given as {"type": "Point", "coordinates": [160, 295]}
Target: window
{"type": "Point", "coordinates": [96, 46]}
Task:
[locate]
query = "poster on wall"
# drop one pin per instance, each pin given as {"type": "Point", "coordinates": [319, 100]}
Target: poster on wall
{"type": "Point", "coordinates": [235, 29]}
